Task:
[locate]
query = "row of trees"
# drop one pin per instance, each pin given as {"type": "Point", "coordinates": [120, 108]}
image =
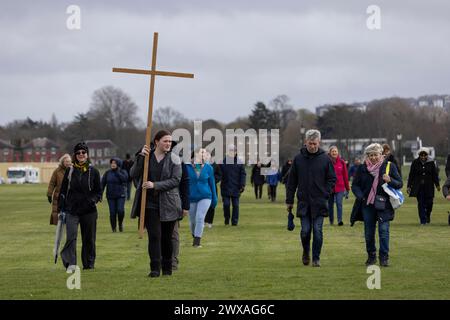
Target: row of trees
{"type": "Point", "coordinates": [113, 115]}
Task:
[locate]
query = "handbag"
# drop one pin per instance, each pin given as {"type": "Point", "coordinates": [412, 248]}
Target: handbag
{"type": "Point", "coordinates": [380, 202]}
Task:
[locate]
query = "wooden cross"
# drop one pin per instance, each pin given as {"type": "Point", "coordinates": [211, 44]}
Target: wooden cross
{"type": "Point", "coordinates": [153, 73]}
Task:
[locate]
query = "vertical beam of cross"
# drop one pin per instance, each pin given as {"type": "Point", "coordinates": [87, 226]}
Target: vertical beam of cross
{"type": "Point", "coordinates": [153, 73]}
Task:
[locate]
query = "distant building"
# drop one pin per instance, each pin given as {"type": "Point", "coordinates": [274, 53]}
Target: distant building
{"type": "Point", "coordinates": [423, 103]}
{"type": "Point", "coordinates": [101, 151]}
{"type": "Point", "coordinates": [320, 111]}
{"type": "Point", "coordinates": [438, 103]}
{"type": "Point", "coordinates": [40, 150]}
{"type": "Point", "coordinates": [7, 151]}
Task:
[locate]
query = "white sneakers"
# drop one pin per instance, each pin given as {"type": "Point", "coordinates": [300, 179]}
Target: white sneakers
{"type": "Point", "coordinates": [71, 268]}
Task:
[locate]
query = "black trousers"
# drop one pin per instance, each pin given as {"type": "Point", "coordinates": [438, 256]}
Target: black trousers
{"type": "Point", "coordinates": [258, 190]}
{"type": "Point", "coordinates": [160, 246]}
{"type": "Point", "coordinates": [209, 218]}
{"type": "Point", "coordinates": [424, 206]}
{"type": "Point", "coordinates": [88, 226]}
{"type": "Point", "coordinates": [272, 192]}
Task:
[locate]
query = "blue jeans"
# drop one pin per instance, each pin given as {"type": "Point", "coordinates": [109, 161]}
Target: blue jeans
{"type": "Point", "coordinates": [315, 225]}
{"type": "Point", "coordinates": [226, 209]}
{"type": "Point", "coordinates": [339, 196]}
{"type": "Point", "coordinates": [116, 206]}
{"type": "Point", "coordinates": [370, 224]}
{"type": "Point", "coordinates": [197, 213]}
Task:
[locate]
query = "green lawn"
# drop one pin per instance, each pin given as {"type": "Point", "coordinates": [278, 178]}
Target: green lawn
{"type": "Point", "coordinates": [259, 259]}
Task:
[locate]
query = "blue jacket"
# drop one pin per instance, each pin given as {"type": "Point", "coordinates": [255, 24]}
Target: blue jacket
{"type": "Point", "coordinates": [115, 182]}
{"type": "Point", "coordinates": [273, 178]}
{"type": "Point", "coordinates": [203, 186]}
{"type": "Point", "coordinates": [233, 177]}
{"type": "Point", "coordinates": [362, 183]}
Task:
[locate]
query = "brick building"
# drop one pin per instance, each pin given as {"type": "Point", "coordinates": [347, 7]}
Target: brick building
{"type": "Point", "coordinates": [40, 150]}
{"type": "Point", "coordinates": [101, 151]}
{"type": "Point", "coordinates": [7, 152]}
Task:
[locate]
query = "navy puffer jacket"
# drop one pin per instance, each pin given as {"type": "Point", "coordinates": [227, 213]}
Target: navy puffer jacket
{"type": "Point", "coordinates": [115, 181]}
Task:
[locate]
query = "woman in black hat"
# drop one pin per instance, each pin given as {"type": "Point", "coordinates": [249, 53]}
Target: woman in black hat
{"type": "Point", "coordinates": [80, 192]}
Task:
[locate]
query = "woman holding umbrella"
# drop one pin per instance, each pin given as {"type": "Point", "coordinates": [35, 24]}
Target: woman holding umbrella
{"type": "Point", "coordinates": [80, 192]}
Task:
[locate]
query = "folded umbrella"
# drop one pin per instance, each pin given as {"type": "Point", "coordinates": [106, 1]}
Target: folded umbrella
{"type": "Point", "coordinates": [59, 234]}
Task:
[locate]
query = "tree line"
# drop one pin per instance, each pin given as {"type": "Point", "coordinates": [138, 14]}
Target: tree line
{"type": "Point", "coordinates": [113, 115]}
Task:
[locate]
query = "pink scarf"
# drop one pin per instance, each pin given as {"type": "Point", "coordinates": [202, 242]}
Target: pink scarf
{"type": "Point", "coordinates": [374, 170]}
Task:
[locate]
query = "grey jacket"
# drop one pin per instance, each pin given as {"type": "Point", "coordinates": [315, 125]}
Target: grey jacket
{"type": "Point", "coordinates": [169, 195]}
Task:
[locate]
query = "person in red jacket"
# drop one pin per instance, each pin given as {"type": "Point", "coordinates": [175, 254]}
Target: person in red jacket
{"type": "Point", "coordinates": [342, 187]}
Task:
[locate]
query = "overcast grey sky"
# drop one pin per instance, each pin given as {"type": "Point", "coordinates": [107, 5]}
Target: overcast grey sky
{"type": "Point", "coordinates": [241, 52]}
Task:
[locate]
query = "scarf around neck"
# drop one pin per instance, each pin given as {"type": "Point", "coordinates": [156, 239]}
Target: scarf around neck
{"type": "Point", "coordinates": [374, 170]}
{"type": "Point", "coordinates": [82, 167]}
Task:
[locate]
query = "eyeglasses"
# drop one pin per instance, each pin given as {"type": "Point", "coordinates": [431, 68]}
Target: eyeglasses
{"type": "Point", "coordinates": [80, 152]}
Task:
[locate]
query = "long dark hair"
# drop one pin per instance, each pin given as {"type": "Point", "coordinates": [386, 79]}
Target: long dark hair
{"type": "Point", "coordinates": [160, 134]}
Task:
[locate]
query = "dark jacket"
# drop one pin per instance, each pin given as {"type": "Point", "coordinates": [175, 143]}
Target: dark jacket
{"type": "Point", "coordinates": [425, 172]}
{"type": "Point", "coordinates": [446, 188]}
{"type": "Point", "coordinates": [217, 172]}
{"type": "Point", "coordinates": [312, 176]}
{"type": "Point", "coordinates": [233, 177]}
{"type": "Point", "coordinates": [362, 183]}
{"type": "Point", "coordinates": [392, 159]}
{"type": "Point", "coordinates": [257, 178]}
{"type": "Point", "coordinates": [126, 165]}
{"type": "Point", "coordinates": [184, 188]}
{"type": "Point", "coordinates": [285, 172]}
{"type": "Point", "coordinates": [168, 187]}
{"type": "Point", "coordinates": [84, 192]}
{"type": "Point", "coordinates": [115, 182]}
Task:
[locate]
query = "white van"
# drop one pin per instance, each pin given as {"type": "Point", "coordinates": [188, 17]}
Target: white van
{"type": "Point", "coordinates": [21, 175]}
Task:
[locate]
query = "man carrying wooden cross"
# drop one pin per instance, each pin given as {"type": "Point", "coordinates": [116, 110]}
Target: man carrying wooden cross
{"type": "Point", "coordinates": [157, 201]}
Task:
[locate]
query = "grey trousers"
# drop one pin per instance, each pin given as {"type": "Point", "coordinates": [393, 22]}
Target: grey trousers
{"type": "Point", "coordinates": [175, 245]}
{"type": "Point", "coordinates": [88, 226]}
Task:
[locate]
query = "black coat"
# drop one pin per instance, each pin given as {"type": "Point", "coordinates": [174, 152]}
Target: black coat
{"type": "Point", "coordinates": [257, 178]}
{"type": "Point", "coordinates": [126, 165]}
{"type": "Point", "coordinates": [233, 177]}
{"type": "Point", "coordinates": [392, 159]}
{"type": "Point", "coordinates": [285, 172]}
{"type": "Point", "coordinates": [217, 172]}
{"type": "Point", "coordinates": [184, 188]}
{"type": "Point", "coordinates": [362, 183]}
{"type": "Point", "coordinates": [425, 172]}
{"type": "Point", "coordinates": [84, 192]}
{"type": "Point", "coordinates": [313, 177]}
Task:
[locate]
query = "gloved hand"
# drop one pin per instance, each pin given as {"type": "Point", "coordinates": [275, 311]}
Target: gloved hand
{"type": "Point", "coordinates": [346, 194]}
{"type": "Point", "coordinates": [49, 199]}
{"type": "Point", "coordinates": [290, 225]}
{"type": "Point", "coordinates": [241, 190]}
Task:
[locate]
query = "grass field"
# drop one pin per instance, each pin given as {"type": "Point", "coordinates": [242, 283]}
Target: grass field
{"type": "Point", "coordinates": [259, 259]}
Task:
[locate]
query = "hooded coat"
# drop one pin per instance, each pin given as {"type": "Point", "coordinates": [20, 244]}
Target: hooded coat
{"type": "Point", "coordinates": [423, 173]}
{"type": "Point", "coordinates": [115, 181]}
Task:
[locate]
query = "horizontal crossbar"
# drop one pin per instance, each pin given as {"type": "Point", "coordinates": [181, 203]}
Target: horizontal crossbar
{"type": "Point", "coordinates": [156, 73]}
